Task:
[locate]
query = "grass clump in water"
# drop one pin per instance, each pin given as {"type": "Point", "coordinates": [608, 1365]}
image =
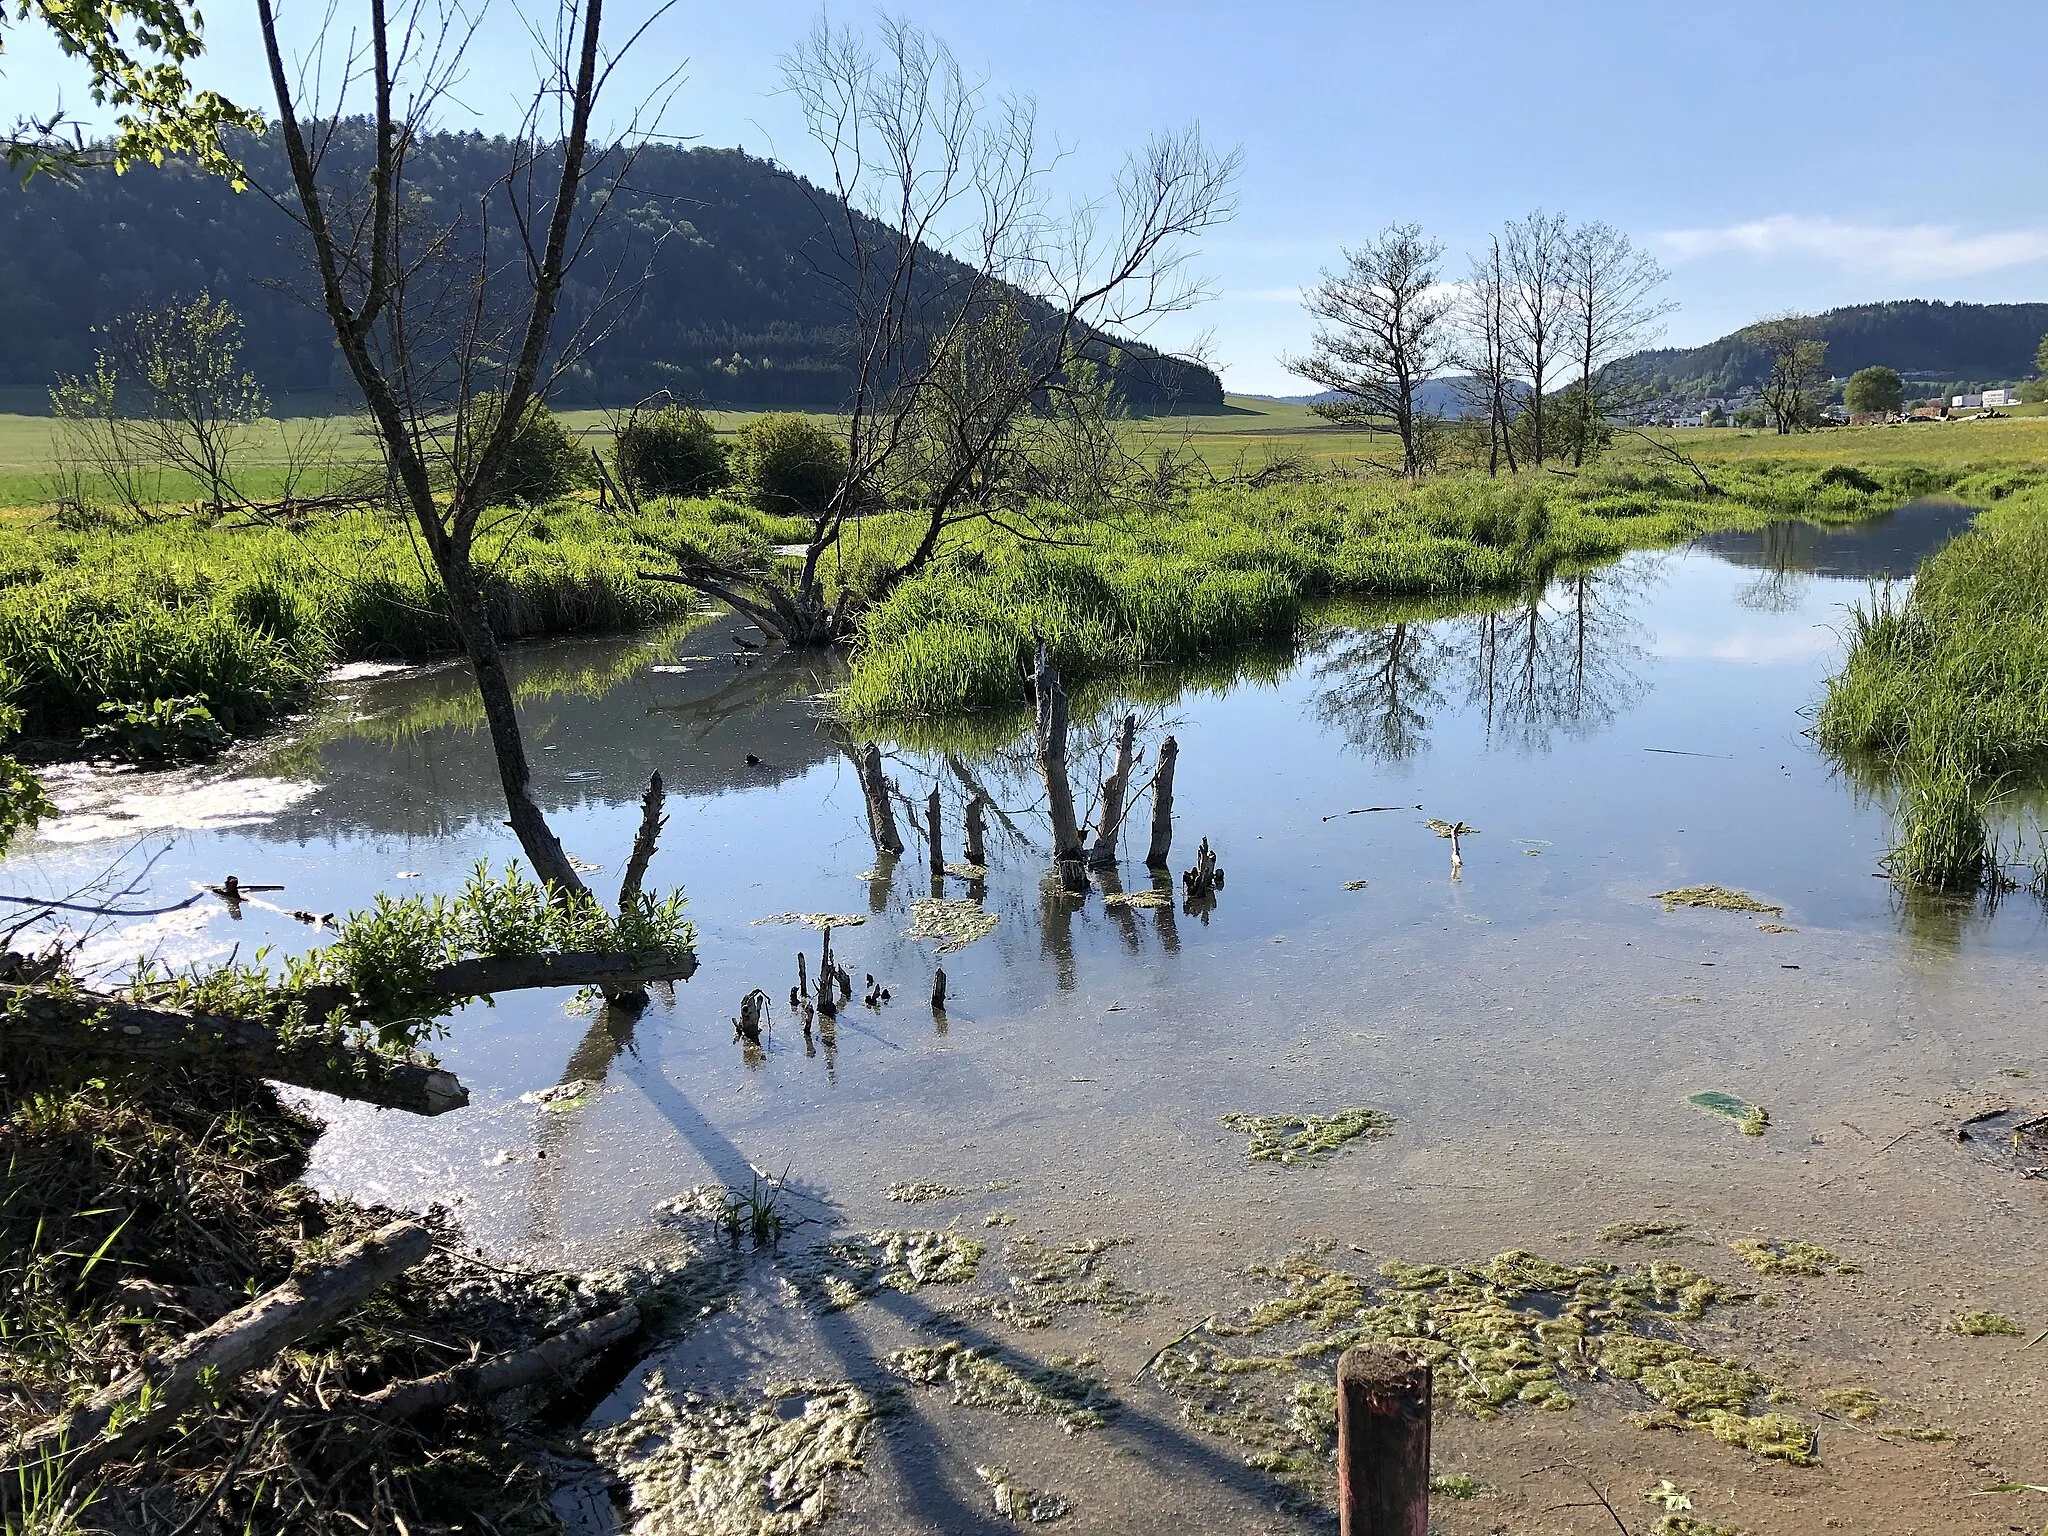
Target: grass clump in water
{"type": "Point", "coordinates": [1980, 1325]}
{"type": "Point", "coordinates": [1296, 1140]}
{"type": "Point", "coordinates": [1063, 1389]}
{"type": "Point", "coordinates": [739, 1467]}
{"type": "Point", "coordinates": [1773, 1257]}
{"type": "Point", "coordinates": [1718, 897]}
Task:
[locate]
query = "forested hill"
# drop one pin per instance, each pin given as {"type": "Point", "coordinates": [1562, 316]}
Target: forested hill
{"type": "Point", "coordinates": [734, 313]}
{"type": "Point", "coordinates": [1981, 343]}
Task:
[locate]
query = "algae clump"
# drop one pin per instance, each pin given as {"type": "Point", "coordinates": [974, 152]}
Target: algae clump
{"type": "Point", "coordinates": [1063, 1389]}
{"type": "Point", "coordinates": [820, 920]}
{"type": "Point", "coordinates": [1659, 1233]}
{"type": "Point", "coordinates": [1753, 1119]}
{"type": "Point", "coordinates": [918, 1191]}
{"type": "Point", "coordinates": [1775, 1256]}
{"type": "Point", "coordinates": [1045, 1279]}
{"type": "Point", "coordinates": [736, 1468]}
{"type": "Point", "coordinates": [1986, 1324]}
{"type": "Point", "coordinates": [1297, 1140]}
{"type": "Point", "coordinates": [842, 1273]}
{"type": "Point", "coordinates": [955, 924]}
{"type": "Point", "coordinates": [1014, 1501]}
{"type": "Point", "coordinates": [1718, 897]}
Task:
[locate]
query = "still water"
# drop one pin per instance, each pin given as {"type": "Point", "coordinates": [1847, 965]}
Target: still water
{"type": "Point", "coordinates": [1534, 1021]}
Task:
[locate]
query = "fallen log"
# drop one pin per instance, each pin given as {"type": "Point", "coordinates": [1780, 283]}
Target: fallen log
{"type": "Point", "coordinates": [150, 1399]}
{"type": "Point", "coordinates": [486, 974]}
{"type": "Point", "coordinates": [86, 1024]}
{"type": "Point", "coordinates": [479, 1381]}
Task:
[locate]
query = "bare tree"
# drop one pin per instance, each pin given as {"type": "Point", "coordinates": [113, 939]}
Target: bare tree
{"type": "Point", "coordinates": [444, 318]}
{"type": "Point", "coordinates": [1611, 308]}
{"type": "Point", "coordinates": [1796, 358]}
{"type": "Point", "coordinates": [981, 311]}
{"type": "Point", "coordinates": [1536, 259]}
{"type": "Point", "coordinates": [1385, 330]}
{"type": "Point", "coordinates": [1483, 352]}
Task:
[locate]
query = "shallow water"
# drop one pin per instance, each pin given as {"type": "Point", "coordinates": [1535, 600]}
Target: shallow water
{"type": "Point", "coordinates": [1534, 1021]}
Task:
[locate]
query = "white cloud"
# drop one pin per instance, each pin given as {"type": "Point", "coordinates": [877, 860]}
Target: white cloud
{"type": "Point", "coordinates": [1906, 251]}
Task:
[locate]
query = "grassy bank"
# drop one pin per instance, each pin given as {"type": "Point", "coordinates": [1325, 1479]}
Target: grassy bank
{"type": "Point", "coordinates": [1948, 689]}
{"type": "Point", "coordinates": [247, 618]}
{"type": "Point", "coordinates": [1232, 567]}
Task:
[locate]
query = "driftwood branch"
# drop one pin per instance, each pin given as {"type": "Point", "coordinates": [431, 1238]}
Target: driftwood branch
{"type": "Point", "coordinates": [150, 1399]}
{"type": "Point", "coordinates": [479, 1381]}
{"type": "Point", "coordinates": [92, 1026]}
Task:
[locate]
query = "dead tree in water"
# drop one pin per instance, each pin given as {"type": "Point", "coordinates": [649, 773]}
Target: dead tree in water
{"type": "Point", "coordinates": [1115, 789]}
{"type": "Point", "coordinates": [881, 815]}
{"type": "Point", "coordinates": [1049, 741]}
{"type": "Point", "coordinates": [977, 818]}
{"type": "Point", "coordinates": [932, 808]}
{"type": "Point", "coordinates": [1162, 806]}
{"type": "Point", "coordinates": [1200, 884]}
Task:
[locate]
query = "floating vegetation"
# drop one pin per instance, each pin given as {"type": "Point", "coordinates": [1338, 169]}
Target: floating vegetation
{"type": "Point", "coordinates": [1860, 1405]}
{"type": "Point", "coordinates": [999, 1219]}
{"type": "Point", "coordinates": [736, 1468]}
{"type": "Point", "coordinates": [1064, 1389]}
{"type": "Point", "coordinates": [842, 1273]}
{"type": "Point", "coordinates": [968, 871]}
{"type": "Point", "coordinates": [1753, 1119]}
{"type": "Point", "coordinates": [1689, 1525]}
{"type": "Point", "coordinates": [1775, 928]}
{"type": "Point", "coordinates": [1776, 1256]}
{"type": "Point", "coordinates": [1450, 828]}
{"type": "Point", "coordinates": [1354, 885]}
{"type": "Point", "coordinates": [1658, 1233]}
{"type": "Point", "coordinates": [1719, 897]}
{"type": "Point", "coordinates": [816, 919]}
{"type": "Point", "coordinates": [919, 1192]}
{"type": "Point", "coordinates": [1517, 1332]}
{"type": "Point", "coordinates": [1114, 899]}
{"type": "Point", "coordinates": [573, 1094]}
{"type": "Point", "coordinates": [1045, 1279]}
{"type": "Point", "coordinates": [955, 924]}
{"type": "Point", "coordinates": [1014, 1501]}
{"type": "Point", "coordinates": [1979, 1325]}
{"type": "Point", "coordinates": [1457, 1485]}
{"type": "Point", "coordinates": [1306, 1139]}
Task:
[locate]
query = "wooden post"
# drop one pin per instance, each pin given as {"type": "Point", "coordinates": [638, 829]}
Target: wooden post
{"type": "Point", "coordinates": [1162, 806]}
{"type": "Point", "coordinates": [1383, 1403]}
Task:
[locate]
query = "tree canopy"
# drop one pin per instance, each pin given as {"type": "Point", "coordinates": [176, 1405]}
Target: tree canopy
{"type": "Point", "coordinates": [1876, 388]}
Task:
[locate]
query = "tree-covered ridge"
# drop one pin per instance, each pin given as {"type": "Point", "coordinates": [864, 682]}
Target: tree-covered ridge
{"type": "Point", "coordinates": [736, 307]}
{"type": "Point", "coordinates": [1929, 338]}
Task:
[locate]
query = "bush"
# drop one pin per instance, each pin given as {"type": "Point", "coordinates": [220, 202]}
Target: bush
{"type": "Point", "coordinates": [789, 462]}
{"type": "Point", "coordinates": [545, 460]}
{"type": "Point", "coordinates": [671, 452]}
{"type": "Point", "coordinates": [161, 731]}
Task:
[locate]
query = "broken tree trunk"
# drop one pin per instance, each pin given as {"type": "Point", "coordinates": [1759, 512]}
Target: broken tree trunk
{"type": "Point", "coordinates": [932, 808]}
{"type": "Point", "coordinates": [1162, 806]}
{"type": "Point", "coordinates": [486, 974]}
{"type": "Point", "coordinates": [874, 789]}
{"type": "Point", "coordinates": [90, 1026]}
{"type": "Point", "coordinates": [149, 1400]}
{"type": "Point", "coordinates": [1115, 789]}
{"type": "Point", "coordinates": [977, 828]}
{"type": "Point", "coordinates": [1049, 739]}
{"type": "Point", "coordinates": [634, 994]}
{"type": "Point", "coordinates": [480, 1381]}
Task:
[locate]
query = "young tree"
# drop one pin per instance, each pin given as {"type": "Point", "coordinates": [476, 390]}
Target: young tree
{"type": "Point", "coordinates": [1385, 330]}
{"type": "Point", "coordinates": [445, 323]}
{"type": "Point", "coordinates": [1483, 352]}
{"type": "Point", "coordinates": [1873, 390]}
{"type": "Point", "coordinates": [1611, 309]}
{"type": "Point", "coordinates": [1537, 309]}
{"type": "Point", "coordinates": [1796, 356]}
{"type": "Point", "coordinates": [973, 301]}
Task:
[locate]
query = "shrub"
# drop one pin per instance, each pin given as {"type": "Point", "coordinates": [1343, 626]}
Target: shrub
{"type": "Point", "coordinates": [545, 460]}
{"type": "Point", "coordinates": [671, 452]}
{"type": "Point", "coordinates": [161, 731]}
{"type": "Point", "coordinates": [789, 462]}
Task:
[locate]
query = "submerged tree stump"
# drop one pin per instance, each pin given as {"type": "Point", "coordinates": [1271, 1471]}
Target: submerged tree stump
{"type": "Point", "coordinates": [1049, 741]}
{"type": "Point", "coordinates": [1162, 806]}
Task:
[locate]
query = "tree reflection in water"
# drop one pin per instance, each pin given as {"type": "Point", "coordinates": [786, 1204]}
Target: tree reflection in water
{"type": "Point", "coordinates": [1566, 660]}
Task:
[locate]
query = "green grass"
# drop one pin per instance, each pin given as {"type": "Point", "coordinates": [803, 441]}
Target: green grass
{"type": "Point", "coordinates": [1948, 689]}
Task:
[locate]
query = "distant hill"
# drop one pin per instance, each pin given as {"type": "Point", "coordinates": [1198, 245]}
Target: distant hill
{"type": "Point", "coordinates": [1924, 338]}
{"type": "Point", "coordinates": [736, 310]}
{"type": "Point", "coordinates": [1438, 397]}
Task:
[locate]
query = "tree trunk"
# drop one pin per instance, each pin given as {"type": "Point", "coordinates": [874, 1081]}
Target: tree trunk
{"type": "Point", "coordinates": [479, 1382]}
{"type": "Point", "coordinates": [149, 1400]}
{"type": "Point", "coordinates": [977, 829]}
{"type": "Point", "coordinates": [1114, 790]}
{"type": "Point", "coordinates": [932, 809]}
{"type": "Point", "coordinates": [1162, 806]}
{"type": "Point", "coordinates": [1050, 741]}
{"type": "Point", "coordinates": [95, 1027]}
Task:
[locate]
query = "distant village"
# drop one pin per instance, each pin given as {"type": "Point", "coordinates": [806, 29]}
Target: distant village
{"type": "Point", "coordinates": [1746, 409]}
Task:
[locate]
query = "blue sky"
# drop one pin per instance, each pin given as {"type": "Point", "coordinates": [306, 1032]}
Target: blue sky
{"type": "Point", "coordinates": [1795, 154]}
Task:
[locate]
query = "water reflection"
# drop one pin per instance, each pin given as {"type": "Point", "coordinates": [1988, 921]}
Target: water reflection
{"type": "Point", "coordinates": [1887, 548]}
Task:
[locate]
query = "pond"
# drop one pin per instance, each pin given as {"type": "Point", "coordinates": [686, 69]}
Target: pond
{"type": "Point", "coordinates": [1532, 1020]}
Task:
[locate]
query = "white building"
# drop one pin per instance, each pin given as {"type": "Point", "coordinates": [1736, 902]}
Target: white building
{"type": "Point", "coordinates": [2001, 397]}
{"type": "Point", "coordinates": [1966, 402]}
